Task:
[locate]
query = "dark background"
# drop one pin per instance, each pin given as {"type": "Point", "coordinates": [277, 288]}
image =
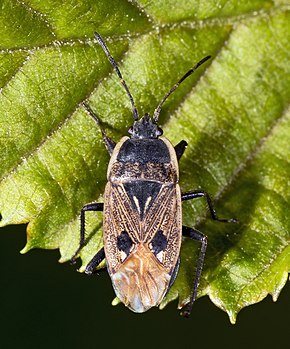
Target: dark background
{"type": "Point", "coordinates": [45, 304]}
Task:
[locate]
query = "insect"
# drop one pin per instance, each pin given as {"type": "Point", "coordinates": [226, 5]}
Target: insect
{"type": "Point", "coordinates": [142, 220]}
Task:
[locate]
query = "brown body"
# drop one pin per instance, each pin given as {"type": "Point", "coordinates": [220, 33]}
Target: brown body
{"type": "Point", "coordinates": [142, 221]}
{"type": "Point", "coordinates": [142, 209]}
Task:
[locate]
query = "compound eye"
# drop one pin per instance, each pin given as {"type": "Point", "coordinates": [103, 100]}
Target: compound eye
{"type": "Point", "coordinates": [159, 131]}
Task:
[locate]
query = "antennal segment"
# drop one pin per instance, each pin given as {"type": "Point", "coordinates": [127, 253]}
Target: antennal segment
{"type": "Point", "coordinates": [174, 87]}
{"type": "Point", "coordinates": [114, 64]}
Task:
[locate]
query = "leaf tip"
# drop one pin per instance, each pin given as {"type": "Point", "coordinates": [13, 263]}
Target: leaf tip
{"type": "Point", "coordinates": [232, 316]}
{"type": "Point", "coordinates": [116, 301]}
{"type": "Point", "coordinates": [26, 248]}
{"type": "Point", "coordinates": [82, 269]}
{"type": "Point", "coordinates": [62, 259]}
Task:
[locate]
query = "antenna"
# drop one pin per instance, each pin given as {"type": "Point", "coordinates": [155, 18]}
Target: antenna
{"type": "Point", "coordinates": [174, 87]}
{"type": "Point", "coordinates": [114, 64]}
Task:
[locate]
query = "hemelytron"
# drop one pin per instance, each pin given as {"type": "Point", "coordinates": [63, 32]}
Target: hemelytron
{"type": "Point", "coordinates": [142, 219]}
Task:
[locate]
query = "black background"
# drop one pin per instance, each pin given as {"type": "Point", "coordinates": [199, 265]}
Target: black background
{"type": "Point", "coordinates": [45, 304]}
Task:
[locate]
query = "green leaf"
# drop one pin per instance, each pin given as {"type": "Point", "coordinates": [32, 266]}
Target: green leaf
{"type": "Point", "coordinates": [233, 112]}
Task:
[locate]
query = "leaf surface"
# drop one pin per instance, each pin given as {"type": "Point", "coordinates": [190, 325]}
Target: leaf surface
{"type": "Point", "coordinates": [233, 112]}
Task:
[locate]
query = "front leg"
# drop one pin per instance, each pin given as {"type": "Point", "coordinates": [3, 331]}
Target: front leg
{"type": "Point", "coordinates": [203, 194]}
{"type": "Point", "coordinates": [90, 207]}
{"type": "Point", "coordinates": [109, 143]}
{"type": "Point", "coordinates": [180, 148]}
{"type": "Point", "coordinates": [198, 236]}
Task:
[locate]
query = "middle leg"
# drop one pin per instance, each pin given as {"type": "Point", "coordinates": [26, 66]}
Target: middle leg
{"type": "Point", "coordinates": [203, 194]}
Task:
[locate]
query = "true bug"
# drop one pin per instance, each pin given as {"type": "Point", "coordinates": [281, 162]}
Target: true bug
{"type": "Point", "coordinates": [142, 222]}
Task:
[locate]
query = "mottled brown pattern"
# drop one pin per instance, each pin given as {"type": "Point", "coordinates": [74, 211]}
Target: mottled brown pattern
{"type": "Point", "coordinates": [164, 214]}
{"type": "Point", "coordinates": [164, 173]}
{"type": "Point", "coordinates": [140, 277]}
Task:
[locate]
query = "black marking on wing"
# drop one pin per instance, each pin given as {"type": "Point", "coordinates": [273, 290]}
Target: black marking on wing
{"type": "Point", "coordinates": [124, 242]}
{"type": "Point", "coordinates": [145, 192]}
{"type": "Point", "coordinates": [159, 242]}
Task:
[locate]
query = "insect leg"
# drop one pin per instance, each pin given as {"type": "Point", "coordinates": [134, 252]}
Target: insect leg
{"type": "Point", "coordinates": [97, 259]}
{"type": "Point", "coordinates": [109, 143]}
{"type": "Point", "coordinates": [200, 194]}
{"type": "Point", "coordinates": [89, 207]}
{"type": "Point", "coordinates": [195, 235]}
{"type": "Point", "coordinates": [180, 148]}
